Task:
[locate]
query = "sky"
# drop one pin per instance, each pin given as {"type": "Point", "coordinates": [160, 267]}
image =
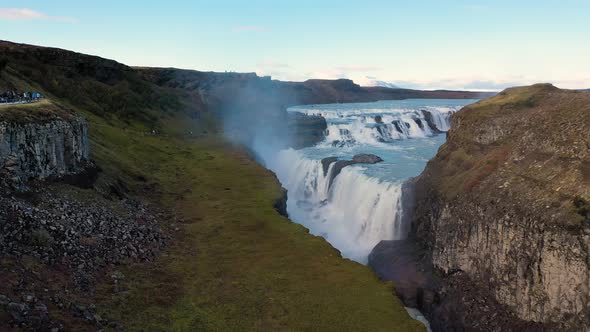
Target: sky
{"type": "Point", "coordinates": [461, 44]}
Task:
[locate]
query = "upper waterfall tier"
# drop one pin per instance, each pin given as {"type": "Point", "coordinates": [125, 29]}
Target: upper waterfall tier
{"type": "Point", "coordinates": [381, 122]}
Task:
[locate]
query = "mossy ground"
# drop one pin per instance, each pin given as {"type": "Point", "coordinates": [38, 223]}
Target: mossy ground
{"type": "Point", "coordinates": [234, 263]}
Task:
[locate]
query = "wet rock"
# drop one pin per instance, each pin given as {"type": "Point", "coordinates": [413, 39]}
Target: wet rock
{"type": "Point", "coordinates": [365, 158]}
{"type": "Point", "coordinates": [419, 123]}
{"type": "Point", "coordinates": [281, 203]}
{"type": "Point", "coordinates": [398, 126]}
{"type": "Point", "coordinates": [337, 168]}
{"type": "Point", "coordinates": [428, 117]}
{"type": "Point", "coordinates": [326, 162]}
{"type": "Point", "coordinates": [404, 263]}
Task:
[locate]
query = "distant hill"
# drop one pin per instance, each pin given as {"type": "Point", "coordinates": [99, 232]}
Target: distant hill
{"type": "Point", "coordinates": [313, 91]}
{"type": "Point", "coordinates": [106, 87]}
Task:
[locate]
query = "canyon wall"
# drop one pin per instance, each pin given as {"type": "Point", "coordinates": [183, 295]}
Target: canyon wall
{"type": "Point", "coordinates": [44, 149]}
{"type": "Point", "coordinates": [506, 203]}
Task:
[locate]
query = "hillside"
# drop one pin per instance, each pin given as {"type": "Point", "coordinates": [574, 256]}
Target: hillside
{"type": "Point", "coordinates": [177, 230]}
{"type": "Point", "coordinates": [503, 208]}
{"type": "Point", "coordinates": [313, 91]}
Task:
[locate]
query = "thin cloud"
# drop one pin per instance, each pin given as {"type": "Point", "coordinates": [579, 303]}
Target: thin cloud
{"type": "Point", "coordinates": [251, 28]}
{"type": "Point", "coordinates": [463, 84]}
{"type": "Point", "coordinates": [357, 68]}
{"type": "Point", "coordinates": [25, 14]}
{"type": "Point", "coordinates": [273, 64]}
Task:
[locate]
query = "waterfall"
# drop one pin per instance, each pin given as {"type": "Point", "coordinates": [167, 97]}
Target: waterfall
{"type": "Point", "coordinates": [356, 207]}
{"type": "Point", "coordinates": [353, 214]}
{"type": "Point", "coordinates": [347, 128]}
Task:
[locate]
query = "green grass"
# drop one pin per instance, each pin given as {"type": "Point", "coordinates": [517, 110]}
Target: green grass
{"type": "Point", "coordinates": [44, 110]}
{"type": "Point", "coordinates": [509, 100]}
{"type": "Point", "coordinates": [235, 264]}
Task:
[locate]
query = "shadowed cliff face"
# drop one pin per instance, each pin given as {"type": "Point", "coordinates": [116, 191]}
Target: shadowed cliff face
{"type": "Point", "coordinates": [41, 150]}
{"type": "Point", "coordinates": [505, 201]}
{"type": "Point", "coordinates": [41, 140]}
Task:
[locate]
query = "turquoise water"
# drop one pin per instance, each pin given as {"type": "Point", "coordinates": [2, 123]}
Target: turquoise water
{"type": "Point", "coordinates": [362, 205]}
{"type": "Point", "coordinates": [404, 157]}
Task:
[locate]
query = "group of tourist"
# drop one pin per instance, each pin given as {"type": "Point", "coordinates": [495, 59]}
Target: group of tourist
{"type": "Point", "coordinates": [19, 97]}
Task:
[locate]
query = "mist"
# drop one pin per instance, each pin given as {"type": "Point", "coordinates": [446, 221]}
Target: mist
{"type": "Point", "coordinates": [254, 115]}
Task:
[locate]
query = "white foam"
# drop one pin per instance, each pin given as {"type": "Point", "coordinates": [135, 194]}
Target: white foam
{"type": "Point", "coordinates": [354, 214]}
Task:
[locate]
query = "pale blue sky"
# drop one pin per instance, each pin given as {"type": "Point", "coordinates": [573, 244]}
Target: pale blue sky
{"type": "Point", "coordinates": [462, 44]}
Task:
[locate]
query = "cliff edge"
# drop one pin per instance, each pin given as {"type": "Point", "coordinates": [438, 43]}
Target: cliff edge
{"type": "Point", "coordinates": [505, 203]}
{"type": "Point", "coordinates": [42, 140]}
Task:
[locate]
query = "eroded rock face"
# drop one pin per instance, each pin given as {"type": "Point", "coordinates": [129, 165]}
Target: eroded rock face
{"type": "Point", "coordinates": [452, 303]}
{"type": "Point", "coordinates": [539, 270]}
{"type": "Point", "coordinates": [404, 263]}
{"type": "Point", "coordinates": [46, 149]}
{"type": "Point", "coordinates": [503, 203]}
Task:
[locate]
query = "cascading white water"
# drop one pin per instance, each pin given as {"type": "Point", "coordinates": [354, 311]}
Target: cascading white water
{"type": "Point", "coordinates": [346, 127]}
{"type": "Point", "coordinates": [353, 214]}
{"type": "Point", "coordinates": [363, 204]}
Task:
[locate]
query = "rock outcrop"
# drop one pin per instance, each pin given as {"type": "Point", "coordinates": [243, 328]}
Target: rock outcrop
{"type": "Point", "coordinates": [305, 130]}
{"type": "Point", "coordinates": [406, 264]}
{"type": "Point", "coordinates": [430, 121]}
{"type": "Point", "coordinates": [362, 158]}
{"type": "Point", "coordinates": [366, 158]}
{"type": "Point", "coordinates": [44, 149]}
{"type": "Point", "coordinates": [504, 204]}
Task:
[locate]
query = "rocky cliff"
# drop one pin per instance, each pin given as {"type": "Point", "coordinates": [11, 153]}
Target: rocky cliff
{"type": "Point", "coordinates": [504, 204]}
{"type": "Point", "coordinates": [43, 149]}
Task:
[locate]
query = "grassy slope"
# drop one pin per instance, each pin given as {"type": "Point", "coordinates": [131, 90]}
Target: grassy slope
{"type": "Point", "coordinates": [237, 264]}
{"type": "Point", "coordinates": [41, 111]}
{"type": "Point", "coordinates": [234, 263]}
{"type": "Point", "coordinates": [541, 149]}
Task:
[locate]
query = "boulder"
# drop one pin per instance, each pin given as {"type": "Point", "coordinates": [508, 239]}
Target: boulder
{"type": "Point", "coordinates": [338, 166]}
{"type": "Point", "coordinates": [365, 158]}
